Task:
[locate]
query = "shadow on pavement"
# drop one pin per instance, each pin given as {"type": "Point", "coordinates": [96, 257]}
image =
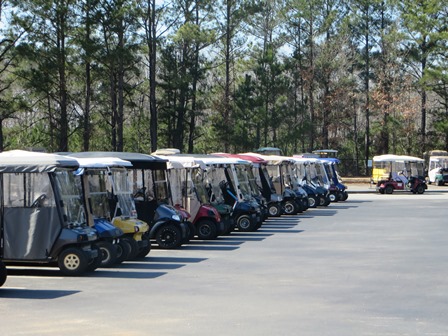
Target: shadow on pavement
{"type": "Point", "coordinates": [22, 293]}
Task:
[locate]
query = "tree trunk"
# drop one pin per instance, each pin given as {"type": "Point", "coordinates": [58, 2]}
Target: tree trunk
{"type": "Point", "coordinates": [62, 140]}
{"type": "Point", "coordinates": [152, 46]}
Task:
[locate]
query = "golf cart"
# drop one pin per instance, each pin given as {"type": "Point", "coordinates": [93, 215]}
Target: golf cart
{"type": "Point", "coordinates": [400, 172]}
{"type": "Point", "coordinates": [101, 183]}
{"type": "Point", "coordinates": [312, 176]}
{"type": "Point", "coordinates": [259, 180]}
{"type": "Point", "coordinates": [281, 177]}
{"type": "Point", "coordinates": [224, 174]}
{"type": "Point", "coordinates": [43, 220]}
{"type": "Point", "coordinates": [188, 191]}
{"type": "Point", "coordinates": [338, 190]}
{"type": "Point", "coordinates": [319, 180]}
{"type": "Point", "coordinates": [438, 170]}
{"type": "Point", "coordinates": [147, 181]}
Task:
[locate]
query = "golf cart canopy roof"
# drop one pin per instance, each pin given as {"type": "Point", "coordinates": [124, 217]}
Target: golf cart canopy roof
{"type": "Point", "coordinates": [396, 158]}
{"type": "Point", "coordinates": [175, 161]}
{"type": "Point", "coordinates": [19, 161]}
{"type": "Point", "coordinates": [330, 160]}
{"type": "Point", "coordinates": [439, 158]}
{"type": "Point", "coordinates": [102, 162]}
{"type": "Point", "coordinates": [326, 152]}
{"type": "Point", "coordinates": [272, 159]}
{"type": "Point", "coordinates": [255, 160]}
{"type": "Point", "coordinates": [216, 160]}
{"type": "Point", "coordinates": [166, 151]}
{"type": "Point", "coordinates": [138, 160]}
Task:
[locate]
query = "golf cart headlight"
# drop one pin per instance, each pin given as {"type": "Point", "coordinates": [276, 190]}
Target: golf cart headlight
{"type": "Point", "coordinates": [82, 238]}
{"type": "Point", "coordinates": [136, 229]}
{"type": "Point", "coordinates": [176, 217]}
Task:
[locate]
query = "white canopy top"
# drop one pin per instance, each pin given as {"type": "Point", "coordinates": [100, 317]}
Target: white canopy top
{"type": "Point", "coordinates": [183, 162]}
{"type": "Point", "coordinates": [396, 158]}
{"type": "Point", "coordinates": [102, 162]}
{"type": "Point", "coordinates": [273, 159]}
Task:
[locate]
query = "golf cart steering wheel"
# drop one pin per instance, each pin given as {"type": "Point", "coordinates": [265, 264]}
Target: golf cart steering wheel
{"type": "Point", "coordinates": [38, 202]}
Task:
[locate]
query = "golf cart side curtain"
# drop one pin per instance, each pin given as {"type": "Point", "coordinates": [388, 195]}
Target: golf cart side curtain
{"type": "Point", "coordinates": [138, 160]}
{"type": "Point", "coordinates": [30, 224]}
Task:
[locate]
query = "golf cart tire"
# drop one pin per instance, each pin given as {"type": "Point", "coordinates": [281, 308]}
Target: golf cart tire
{"type": "Point", "coordinates": [207, 230]}
{"type": "Point", "coordinates": [191, 230]}
{"type": "Point", "coordinates": [123, 251]}
{"type": "Point", "coordinates": [3, 273]}
{"type": "Point", "coordinates": [245, 224]}
{"type": "Point", "coordinates": [324, 201]}
{"type": "Point", "coordinates": [169, 236]}
{"type": "Point", "coordinates": [290, 208]}
{"type": "Point", "coordinates": [144, 251]}
{"type": "Point", "coordinates": [389, 190]}
{"type": "Point", "coordinates": [73, 261]}
{"type": "Point", "coordinates": [95, 262]}
{"type": "Point", "coordinates": [134, 247]}
{"type": "Point", "coordinates": [311, 202]}
{"type": "Point", "coordinates": [420, 189]}
{"type": "Point", "coordinates": [108, 252]}
{"type": "Point", "coordinates": [334, 197]}
{"type": "Point", "coordinates": [344, 196]}
{"type": "Point", "coordinates": [274, 210]}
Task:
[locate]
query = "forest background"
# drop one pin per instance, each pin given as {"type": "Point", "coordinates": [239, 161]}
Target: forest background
{"type": "Point", "coordinates": [365, 77]}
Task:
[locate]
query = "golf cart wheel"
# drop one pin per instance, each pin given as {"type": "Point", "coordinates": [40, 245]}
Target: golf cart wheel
{"type": "Point", "coordinates": [440, 183]}
{"type": "Point", "coordinates": [73, 261]}
{"type": "Point", "coordinates": [344, 196]}
{"type": "Point", "coordinates": [134, 247]}
{"type": "Point", "coordinates": [311, 202]}
{"type": "Point", "coordinates": [244, 224]}
{"type": "Point", "coordinates": [144, 251]}
{"type": "Point", "coordinates": [123, 251]}
{"type": "Point", "coordinates": [420, 189]}
{"type": "Point", "coordinates": [322, 201]}
{"type": "Point", "coordinates": [389, 189]}
{"type": "Point", "coordinates": [95, 262]}
{"type": "Point", "coordinates": [169, 236]}
{"type": "Point", "coordinates": [3, 273]}
{"type": "Point", "coordinates": [334, 198]}
{"type": "Point", "coordinates": [326, 201]}
{"type": "Point", "coordinates": [191, 230]}
{"type": "Point", "coordinates": [274, 210]}
{"type": "Point", "coordinates": [206, 230]}
{"type": "Point", "coordinates": [290, 208]}
{"type": "Point", "coordinates": [108, 252]}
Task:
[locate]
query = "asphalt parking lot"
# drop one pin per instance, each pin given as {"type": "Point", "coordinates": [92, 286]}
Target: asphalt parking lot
{"type": "Point", "coordinates": [373, 265]}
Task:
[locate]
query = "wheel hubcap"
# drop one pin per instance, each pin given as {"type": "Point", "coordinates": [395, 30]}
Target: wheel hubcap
{"type": "Point", "coordinates": [244, 223]}
{"type": "Point", "coordinates": [205, 230]}
{"type": "Point", "coordinates": [311, 202]}
{"type": "Point", "coordinates": [71, 261]}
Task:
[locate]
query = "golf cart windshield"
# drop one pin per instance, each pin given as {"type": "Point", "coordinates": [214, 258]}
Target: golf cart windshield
{"type": "Point", "coordinates": [322, 175]}
{"type": "Point", "coordinates": [161, 186]}
{"type": "Point", "coordinates": [199, 185]}
{"type": "Point", "coordinates": [71, 197]}
{"type": "Point", "coordinates": [98, 181]}
{"type": "Point", "coordinates": [243, 181]}
{"type": "Point", "coordinates": [123, 192]}
{"type": "Point", "coordinates": [213, 177]}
